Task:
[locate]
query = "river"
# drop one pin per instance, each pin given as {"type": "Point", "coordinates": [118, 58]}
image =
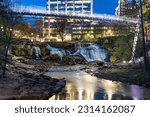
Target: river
{"type": "Point", "coordinates": [82, 86]}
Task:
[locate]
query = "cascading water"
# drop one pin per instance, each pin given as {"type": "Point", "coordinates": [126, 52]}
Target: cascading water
{"type": "Point", "coordinates": [92, 52]}
{"type": "Point", "coordinates": [36, 50]}
{"type": "Point", "coordinates": [60, 52]}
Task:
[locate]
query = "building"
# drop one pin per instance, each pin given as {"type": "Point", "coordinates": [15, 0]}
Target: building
{"type": "Point", "coordinates": [70, 6]}
{"type": "Point", "coordinates": [127, 8]}
{"type": "Point", "coordinates": [72, 28]}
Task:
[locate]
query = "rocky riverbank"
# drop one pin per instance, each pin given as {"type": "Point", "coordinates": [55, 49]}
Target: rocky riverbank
{"type": "Point", "coordinates": [126, 73]}
{"type": "Point", "coordinates": [25, 80]}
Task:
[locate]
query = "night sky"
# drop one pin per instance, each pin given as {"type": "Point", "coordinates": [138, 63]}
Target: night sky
{"type": "Point", "coordinates": [100, 6]}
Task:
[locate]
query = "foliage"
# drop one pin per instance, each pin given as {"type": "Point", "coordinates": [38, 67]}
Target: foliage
{"type": "Point", "coordinates": [20, 50]}
{"type": "Point", "coordinates": [130, 8]}
{"type": "Point", "coordinates": [60, 26]}
{"type": "Point", "coordinates": [36, 29]}
{"type": "Point", "coordinates": [7, 22]}
{"type": "Point", "coordinates": [141, 76]}
{"type": "Point", "coordinates": [113, 59]}
{"type": "Point", "coordinates": [146, 16]}
{"type": "Point", "coordinates": [23, 27]}
{"type": "Point", "coordinates": [119, 47]}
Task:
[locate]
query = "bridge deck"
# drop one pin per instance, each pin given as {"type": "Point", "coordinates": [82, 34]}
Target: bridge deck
{"type": "Point", "coordinates": [95, 17]}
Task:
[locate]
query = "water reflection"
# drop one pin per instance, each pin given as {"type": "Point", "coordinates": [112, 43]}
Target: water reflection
{"type": "Point", "coordinates": [82, 86]}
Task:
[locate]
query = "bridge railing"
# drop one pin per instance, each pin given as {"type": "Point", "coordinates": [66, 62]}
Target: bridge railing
{"type": "Point", "coordinates": [40, 11]}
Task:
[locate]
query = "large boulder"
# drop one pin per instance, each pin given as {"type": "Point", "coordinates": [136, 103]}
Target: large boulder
{"type": "Point", "coordinates": [72, 60]}
{"type": "Point", "coordinates": [51, 57]}
{"type": "Point", "coordinates": [20, 50]}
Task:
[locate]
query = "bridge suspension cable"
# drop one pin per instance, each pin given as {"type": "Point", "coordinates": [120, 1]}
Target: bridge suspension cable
{"type": "Point", "coordinates": [96, 17]}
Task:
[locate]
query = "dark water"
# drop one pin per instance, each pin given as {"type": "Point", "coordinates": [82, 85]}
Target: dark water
{"type": "Point", "coordinates": [82, 86]}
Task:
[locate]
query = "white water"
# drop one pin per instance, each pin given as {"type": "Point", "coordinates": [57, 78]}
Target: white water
{"type": "Point", "coordinates": [60, 52]}
{"type": "Point", "coordinates": [92, 52]}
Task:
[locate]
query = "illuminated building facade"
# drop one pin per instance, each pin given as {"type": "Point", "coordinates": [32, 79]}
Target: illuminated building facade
{"type": "Point", "coordinates": [69, 7]}
{"type": "Point", "coordinates": [127, 8]}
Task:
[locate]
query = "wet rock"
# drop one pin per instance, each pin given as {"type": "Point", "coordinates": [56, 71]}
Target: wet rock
{"type": "Point", "coordinates": [45, 58]}
{"type": "Point", "coordinates": [52, 57]}
{"type": "Point", "coordinates": [55, 80]}
{"type": "Point", "coordinates": [100, 63]}
{"type": "Point", "coordinates": [40, 87]}
{"type": "Point", "coordinates": [72, 60]}
{"type": "Point", "coordinates": [29, 75]}
{"type": "Point", "coordinates": [30, 80]}
{"type": "Point", "coordinates": [57, 89]}
{"type": "Point", "coordinates": [23, 72]}
{"type": "Point", "coordinates": [45, 77]}
{"type": "Point", "coordinates": [61, 83]}
{"type": "Point", "coordinates": [105, 66]}
{"type": "Point", "coordinates": [9, 67]}
{"type": "Point", "coordinates": [93, 63]}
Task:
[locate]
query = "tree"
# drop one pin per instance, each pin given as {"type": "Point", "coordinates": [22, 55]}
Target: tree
{"type": "Point", "coordinates": [120, 47]}
{"type": "Point", "coordinates": [60, 26]}
{"type": "Point", "coordinates": [129, 8]}
{"type": "Point", "coordinates": [23, 27]}
{"type": "Point", "coordinates": [36, 29]}
{"type": "Point", "coordinates": [146, 15]}
{"type": "Point", "coordinates": [8, 21]}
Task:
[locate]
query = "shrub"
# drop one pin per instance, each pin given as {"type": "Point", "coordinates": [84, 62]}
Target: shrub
{"type": "Point", "coordinates": [113, 59]}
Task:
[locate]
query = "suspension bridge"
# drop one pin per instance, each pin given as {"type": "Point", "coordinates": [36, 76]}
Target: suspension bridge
{"type": "Point", "coordinates": [101, 18]}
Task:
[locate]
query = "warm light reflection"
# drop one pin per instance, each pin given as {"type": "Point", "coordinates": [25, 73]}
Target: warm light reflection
{"type": "Point", "coordinates": [82, 86]}
{"type": "Point", "coordinates": [110, 87]}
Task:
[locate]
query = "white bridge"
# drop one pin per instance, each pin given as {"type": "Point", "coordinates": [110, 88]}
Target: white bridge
{"type": "Point", "coordinates": [103, 18]}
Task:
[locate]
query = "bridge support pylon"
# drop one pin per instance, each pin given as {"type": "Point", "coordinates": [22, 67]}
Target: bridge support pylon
{"type": "Point", "coordinates": [137, 30]}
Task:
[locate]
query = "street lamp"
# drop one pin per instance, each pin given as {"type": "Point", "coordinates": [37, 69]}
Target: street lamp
{"type": "Point", "coordinates": [143, 37]}
{"type": "Point", "coordinates": [10, 29]}
{"type": "Point", "coordinates": [2, 27]}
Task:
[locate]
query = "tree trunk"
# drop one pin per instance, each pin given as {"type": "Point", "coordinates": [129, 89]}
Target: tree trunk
{"type": "Point", "coordinates": [6, 54]}
{"type": "Point", "coordinates": [61, 36]}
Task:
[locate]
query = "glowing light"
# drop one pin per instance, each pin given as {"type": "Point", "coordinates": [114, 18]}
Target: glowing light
{"type": "Point", "coordinates": [130, 61]}
{"type": "Point", "coordinates": [109, 31]}
{"type": "Point", "coordinates": [124, 62]}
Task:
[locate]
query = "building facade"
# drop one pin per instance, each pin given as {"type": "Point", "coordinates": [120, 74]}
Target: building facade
{"type": "Point", "coordinates": [127, 8]}
{"type": "Point", "coordinates": [70, 6]}
{"type": "Point", "coordinates": [74, 28]}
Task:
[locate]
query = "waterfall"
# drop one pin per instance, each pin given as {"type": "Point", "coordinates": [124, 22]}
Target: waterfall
{"type": "Point", "coordinates": [77, 46]}
{"type": "Point", "coordinates": [92, 52]}
{"type": "Point", "coordinates": [36, 52]}
{"type": "Point", "coordinates": [60, 52]}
